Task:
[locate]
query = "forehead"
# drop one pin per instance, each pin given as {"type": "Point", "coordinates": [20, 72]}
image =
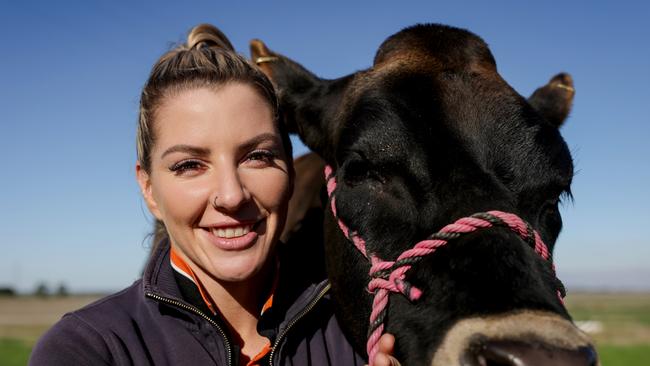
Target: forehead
{"type": "Point", "coordinates": [419, 114]}
{"type": "Point", "coordinates": [228, 113]}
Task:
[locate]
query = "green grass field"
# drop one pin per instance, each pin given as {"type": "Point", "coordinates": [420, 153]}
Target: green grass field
{"type": "Point", "coordinates": [14, 352]}
{"type": "Point", "coordinates": [625, 336]}
{"type": "Point", "coordinates": [24, 319]}
{"type": "Point", "coordinates": [638, 355]}
{"type": "Point", "coordinates": [623, 340]}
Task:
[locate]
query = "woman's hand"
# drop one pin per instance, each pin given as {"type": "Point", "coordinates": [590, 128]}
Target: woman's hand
{"type": "Point", "coordinates": [386, 348]}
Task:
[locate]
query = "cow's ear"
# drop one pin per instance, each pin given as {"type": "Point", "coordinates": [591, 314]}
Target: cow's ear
{"type": "Point", "coordinates": [308, 103]}
{"type": "Point", "coordinates": [554, 99]}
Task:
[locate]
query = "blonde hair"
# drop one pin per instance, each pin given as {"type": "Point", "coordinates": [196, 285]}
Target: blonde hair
{"type": "Point", "coordinates": [207, 59]}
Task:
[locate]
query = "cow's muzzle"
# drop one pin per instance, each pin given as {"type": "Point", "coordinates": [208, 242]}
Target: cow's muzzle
{"type": "Point", "coordinates": [527, 338]}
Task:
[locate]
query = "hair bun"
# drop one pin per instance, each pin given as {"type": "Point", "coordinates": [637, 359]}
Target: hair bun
{"type": "Point", "coordinates": [207, 35]}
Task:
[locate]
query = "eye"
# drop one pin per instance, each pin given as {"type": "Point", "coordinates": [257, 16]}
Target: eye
{"type": "Point", "coordinates": [261, 158]}
{"type": "Point", "coordinates": [550, 218]}
{"type": "Point", "coordinates": [187, 167]}
{"type": "Point", "coordinates": [360, 170]}
{"type": "Point", "coordinates": [551, 206]}
{"type": "Point", "coordinates": [355, 172]}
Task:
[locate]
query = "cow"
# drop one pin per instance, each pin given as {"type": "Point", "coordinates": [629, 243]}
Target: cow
{"type": "Point", "coordinates": [431, 135]}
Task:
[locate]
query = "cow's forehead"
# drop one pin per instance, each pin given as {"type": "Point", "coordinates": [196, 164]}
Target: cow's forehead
{"type": "Point", "coordinates": [404, 99]}
{"type": "Point", "coordinates": [426, 52]}
{"type": "Point", "coordinates": [415, 113]}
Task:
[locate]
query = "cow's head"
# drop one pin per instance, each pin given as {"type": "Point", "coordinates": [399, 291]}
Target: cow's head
{"type": "Point", "coordinates": [429, 134]}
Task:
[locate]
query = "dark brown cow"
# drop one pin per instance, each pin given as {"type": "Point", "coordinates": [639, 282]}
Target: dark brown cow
{"type": "Point", "coordinates": [429, 134]}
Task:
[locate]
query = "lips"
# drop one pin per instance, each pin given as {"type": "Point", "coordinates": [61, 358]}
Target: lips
{"type": "Point", "coordinates": [231, 232]}
{"type": "Point", "coordinates": [233, 238]}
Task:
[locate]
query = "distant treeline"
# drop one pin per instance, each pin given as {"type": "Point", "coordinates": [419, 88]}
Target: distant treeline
{"type": "Point", "coordinates": [7, 291]}
{"type": "Point", "coordinates": [41, 289]}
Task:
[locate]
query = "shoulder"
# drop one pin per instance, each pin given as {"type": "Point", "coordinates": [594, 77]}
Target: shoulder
{"type": "Point", "coordinates": [110, 311]}
{"type": "Point", "coordinates": [83, 337]}
{"type": "Point", "coordinates": [71, 341]}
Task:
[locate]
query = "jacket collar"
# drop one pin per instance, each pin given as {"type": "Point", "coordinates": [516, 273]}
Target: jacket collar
{"type": "Point", "coordinates": [300, 282]}
{"type": "Point", "coordinates": [158, 277]}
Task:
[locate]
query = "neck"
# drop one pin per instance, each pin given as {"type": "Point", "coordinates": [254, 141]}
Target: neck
{"type": "Point", "coordinates": [239, 303]}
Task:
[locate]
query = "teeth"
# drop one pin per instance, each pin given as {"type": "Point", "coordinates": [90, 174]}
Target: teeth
{"type": "Point", "coordinates": [232, 232]}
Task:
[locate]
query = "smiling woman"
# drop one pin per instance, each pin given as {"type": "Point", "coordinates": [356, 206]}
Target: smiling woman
{"type": "Point", "coordinates": [214, 166]}
{"type": "Point", "coordinates": [220, 181]}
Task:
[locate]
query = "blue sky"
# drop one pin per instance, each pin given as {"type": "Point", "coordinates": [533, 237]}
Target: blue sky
{"type": "Point", "coordinates": [71, 73]}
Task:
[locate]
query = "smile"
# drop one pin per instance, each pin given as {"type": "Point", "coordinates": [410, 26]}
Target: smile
{"type": "Point", "coordinates": [231, 232]}
{"type": "Point", "coordinates": [235, 236]}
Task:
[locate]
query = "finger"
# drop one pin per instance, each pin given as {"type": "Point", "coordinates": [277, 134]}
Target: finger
{"type": "Point", "coordinates": [387, 344]}
{"type": "Point", "coordinates": [384, 360]}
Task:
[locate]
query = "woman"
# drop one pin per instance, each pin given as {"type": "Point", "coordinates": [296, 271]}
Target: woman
{"type": "Point", "coordinates": [214, 165]}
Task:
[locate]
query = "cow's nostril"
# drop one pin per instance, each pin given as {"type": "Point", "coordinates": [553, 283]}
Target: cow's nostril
{"type": "Point", "coordinates": [517, 353]}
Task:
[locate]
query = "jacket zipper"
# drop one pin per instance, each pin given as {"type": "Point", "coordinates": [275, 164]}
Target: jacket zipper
{"type": "Point", "coordinates": [201, 314]}
{"type": "Point", "coordinates": [297, 318]}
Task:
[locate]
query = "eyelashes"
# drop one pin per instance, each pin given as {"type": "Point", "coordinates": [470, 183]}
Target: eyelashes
{"type": "Point", "coordinates": [257, 159]}
{"type": "Point", "coordinates": [265, 156]}
{"type": "Point", "coordinates": [185, 166]}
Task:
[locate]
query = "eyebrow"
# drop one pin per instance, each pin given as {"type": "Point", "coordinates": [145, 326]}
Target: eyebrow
{"type": "Point", "coordinates": [192, 150]}
{"type": "Point", "coordinates": [264, 137]}
{"type": "Point", "coordinates": [201, 151]}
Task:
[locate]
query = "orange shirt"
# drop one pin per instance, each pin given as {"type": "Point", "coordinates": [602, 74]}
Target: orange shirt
{"type": "Point", "coordinates": [180, 266]}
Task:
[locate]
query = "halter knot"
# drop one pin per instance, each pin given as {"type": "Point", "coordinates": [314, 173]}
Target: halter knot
{"type": "Point", "coordinates": [386, 275]}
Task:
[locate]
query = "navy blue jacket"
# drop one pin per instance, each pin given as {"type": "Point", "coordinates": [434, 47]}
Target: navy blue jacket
{"type": "Point", "coordinates": [149, 323]}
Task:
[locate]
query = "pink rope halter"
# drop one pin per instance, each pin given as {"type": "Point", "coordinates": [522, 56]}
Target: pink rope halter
{"type": "Point", "coordinates": [389, 276]}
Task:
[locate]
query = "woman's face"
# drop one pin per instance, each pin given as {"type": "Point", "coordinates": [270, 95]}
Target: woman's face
{"type": "Point", "coordinates": [219, 179]}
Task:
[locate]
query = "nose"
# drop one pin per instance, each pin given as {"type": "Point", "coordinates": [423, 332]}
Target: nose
{"type": "Point", "coordinates": [230, 192]}
{"type": "Point", "coordinates": [521, 338]}
{"type": "Point", "coordinates": [517, 353]}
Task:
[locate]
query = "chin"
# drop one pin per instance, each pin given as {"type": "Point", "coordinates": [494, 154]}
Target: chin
{"type": "Point", "coordinates": [236, 270]}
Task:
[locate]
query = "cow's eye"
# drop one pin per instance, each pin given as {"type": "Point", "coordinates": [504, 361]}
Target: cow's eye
{"type": "Point", "coordinates": [355, 172]}
{"type": "Point", "coordinates": [550, 216]}
{"type": "Point", "coordinates": [358, 171]}
{"type": "Point", "coordinates": [551, 206]}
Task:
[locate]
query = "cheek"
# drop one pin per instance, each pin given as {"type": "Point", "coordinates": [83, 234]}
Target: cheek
{"type": "Point", "coordinates": [271, 189]}
{"type": "Point", "coordinates": [180, 200]}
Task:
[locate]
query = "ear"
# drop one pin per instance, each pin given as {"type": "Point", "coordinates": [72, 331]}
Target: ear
{"type": "Point", "coordinates": [144, 181]}
{"type": "Point", "coordinates": [308, 103]}
{"type": "Point", "coordinates": [554, 99]}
